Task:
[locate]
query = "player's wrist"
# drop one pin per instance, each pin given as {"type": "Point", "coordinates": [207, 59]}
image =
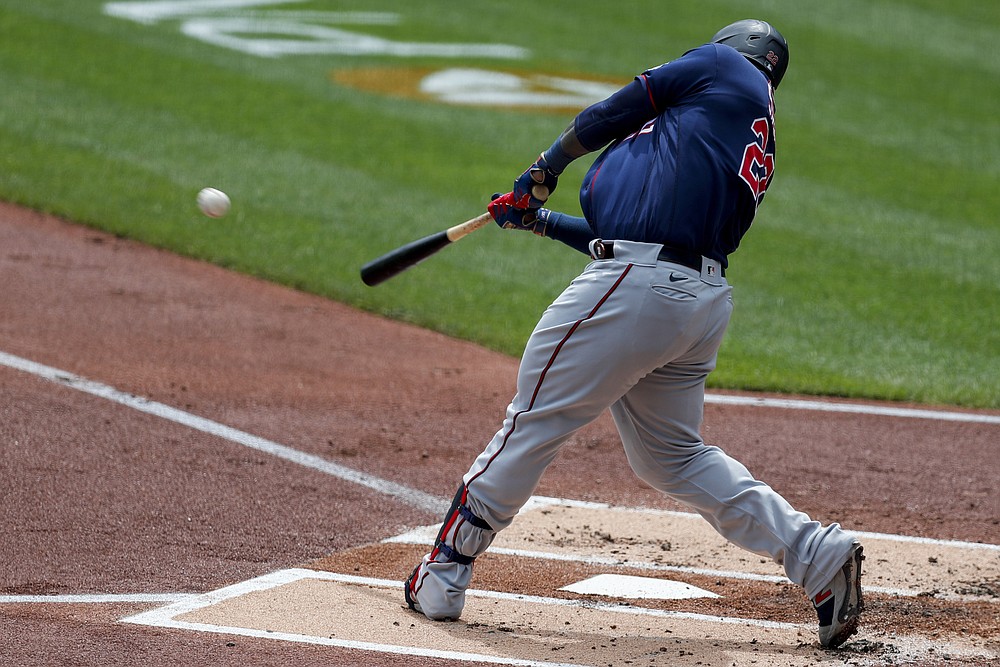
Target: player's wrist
{"type": "Point", "coordinates": [556, 158]}
{"type": "Point", "coordinates": [543, 220]}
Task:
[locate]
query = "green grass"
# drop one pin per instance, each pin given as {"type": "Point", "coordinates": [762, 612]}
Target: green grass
{"type": "Point", "coordinates": [873, 269]}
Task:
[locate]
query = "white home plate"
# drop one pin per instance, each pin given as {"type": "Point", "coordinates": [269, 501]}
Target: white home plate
{"type": "Point", "coordinates": [623, 586]}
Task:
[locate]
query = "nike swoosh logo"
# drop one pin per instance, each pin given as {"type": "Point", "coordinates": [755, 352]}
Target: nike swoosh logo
{"type": "Point", "coordinates": [676, 278]}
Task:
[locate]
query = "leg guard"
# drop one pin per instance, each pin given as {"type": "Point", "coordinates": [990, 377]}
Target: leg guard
{"type": "Point", "coordinates": [437, 586]}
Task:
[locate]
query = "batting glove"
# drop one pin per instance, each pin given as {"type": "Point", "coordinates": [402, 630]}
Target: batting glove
{"type": "Point", "coordinates": [508, 216]}
{"type": "Point", "coordinates": [533, 187]}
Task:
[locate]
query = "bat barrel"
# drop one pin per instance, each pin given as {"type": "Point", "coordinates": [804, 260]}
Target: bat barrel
{"type": "Point", "coordinates": [388, 265]}
{"type": "Point", "coordinates": [382, 268]}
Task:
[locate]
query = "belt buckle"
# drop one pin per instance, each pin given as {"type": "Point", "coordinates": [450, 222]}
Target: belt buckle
{"type": "Point", "coordinates": [598, 250]}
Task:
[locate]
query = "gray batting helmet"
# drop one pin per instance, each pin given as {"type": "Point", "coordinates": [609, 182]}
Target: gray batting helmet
{"type": "Point", "coordinates": [760, 43]}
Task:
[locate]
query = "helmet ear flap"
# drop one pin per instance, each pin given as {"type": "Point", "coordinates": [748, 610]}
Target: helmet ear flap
{"type": "Point", "coordinates": [760, 43]}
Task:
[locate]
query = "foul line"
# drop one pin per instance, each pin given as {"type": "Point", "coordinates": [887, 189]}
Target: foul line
{"type": "Point", "coordinates": [853, 408]}
{"type": "Point", "coordinates": [412, 497]}
{"type": "Point", "coordinates": [100, 598]}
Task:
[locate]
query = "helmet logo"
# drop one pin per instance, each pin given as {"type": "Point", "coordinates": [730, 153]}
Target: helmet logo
{"type": "Point", "coordinates": [772, 58]}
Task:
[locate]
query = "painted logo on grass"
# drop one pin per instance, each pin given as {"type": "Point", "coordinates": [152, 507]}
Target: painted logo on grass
{"type": "Point", "coordinates": [242, 26]}
{"type": "Point", "coordinates": [259, 28]}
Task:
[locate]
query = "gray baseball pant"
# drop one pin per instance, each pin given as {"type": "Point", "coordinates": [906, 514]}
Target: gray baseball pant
{"type": "Point", "coordinates": [637, 336]}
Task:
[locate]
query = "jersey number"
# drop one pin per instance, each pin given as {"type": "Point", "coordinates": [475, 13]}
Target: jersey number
{"type": "Point", "coordinates": [758, 166]}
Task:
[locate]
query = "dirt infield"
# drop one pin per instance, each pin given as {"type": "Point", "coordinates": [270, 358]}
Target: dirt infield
{"type": "Point", "coordinates": [101, 500]}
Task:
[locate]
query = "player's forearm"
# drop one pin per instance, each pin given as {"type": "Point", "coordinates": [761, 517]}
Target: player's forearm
{"type": "Point", "coordinates": [571, 230]}
{"type": "Point", "coordinates": [564, 150]}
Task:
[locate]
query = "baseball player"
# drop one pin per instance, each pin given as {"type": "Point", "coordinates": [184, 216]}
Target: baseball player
{"type": "Point", "coordinates": [688, 155]}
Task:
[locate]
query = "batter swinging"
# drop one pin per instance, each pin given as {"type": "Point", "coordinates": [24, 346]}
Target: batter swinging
{"type": "Point", "coordinates": [689, 157]}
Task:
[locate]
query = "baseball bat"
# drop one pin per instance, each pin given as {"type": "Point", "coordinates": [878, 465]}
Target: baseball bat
{"type": "Point", "coordinates": [396, 261]}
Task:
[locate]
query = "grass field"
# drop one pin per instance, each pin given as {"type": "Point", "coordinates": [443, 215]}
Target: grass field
{"type": "Point", "coordinates": [873, 268]}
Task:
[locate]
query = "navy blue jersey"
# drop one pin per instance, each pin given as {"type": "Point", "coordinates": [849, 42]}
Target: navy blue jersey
{"type": "Point", "coordinates": [691, 156]}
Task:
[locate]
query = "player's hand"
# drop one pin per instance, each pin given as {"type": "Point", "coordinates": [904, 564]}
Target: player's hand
{"type": "Point", "coordinates": [533, 187]}
{"type": "Point", "coordinates": [508, 216]}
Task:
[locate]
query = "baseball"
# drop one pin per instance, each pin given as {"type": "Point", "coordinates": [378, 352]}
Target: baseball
{"type": "Point", "coordinates": [213, 203]}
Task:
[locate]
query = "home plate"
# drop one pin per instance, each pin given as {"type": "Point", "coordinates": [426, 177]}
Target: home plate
{"type": "Point", "coordinates": [623, 586]}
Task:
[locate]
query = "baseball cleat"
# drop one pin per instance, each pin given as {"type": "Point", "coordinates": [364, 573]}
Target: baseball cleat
{"type": "Point", "coordinates": [445, 613]}
{"type": "Point", "coordinates": [839, 604]}
{"type": "Point", "coordinates": [411, 600]}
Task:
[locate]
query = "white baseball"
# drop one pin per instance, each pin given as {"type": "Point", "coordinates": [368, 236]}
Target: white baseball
{"type": "Point", "coordinates": [213, 203]}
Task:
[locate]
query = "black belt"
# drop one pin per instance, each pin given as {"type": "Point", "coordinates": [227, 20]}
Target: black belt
{"type": "Point", "coordinates": [692, 260]}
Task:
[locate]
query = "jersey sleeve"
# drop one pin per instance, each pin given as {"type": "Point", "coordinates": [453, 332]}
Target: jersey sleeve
{"type": "Point", "coordinates": [571, 230]}
{"type": "Point", "coordinates": [617, 116]}
{"type": "Point", "coordinates": [679, 80]}
{"type": "Point", "coordinates": [627, 110]}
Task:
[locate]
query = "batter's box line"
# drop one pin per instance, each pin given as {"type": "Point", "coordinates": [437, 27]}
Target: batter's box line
{"type": "Point", "coordinates": [166, 617]}
{"type": "Point", "coordinates": [425, 536]}
{"type": "Point", "coordinates": [419, 537]}
{"type": "Point", "coordinates": [541, 502]}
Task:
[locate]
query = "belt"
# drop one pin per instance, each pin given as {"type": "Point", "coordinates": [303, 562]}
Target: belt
{"type": "Point", "coordinates": [692, 260]}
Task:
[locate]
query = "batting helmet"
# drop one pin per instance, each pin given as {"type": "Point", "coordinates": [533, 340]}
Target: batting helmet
{"type": "Point", "coordinates": [760, 43]}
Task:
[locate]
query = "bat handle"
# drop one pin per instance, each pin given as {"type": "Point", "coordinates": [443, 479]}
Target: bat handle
{"type": "Point", "coordinates": [467, 227]}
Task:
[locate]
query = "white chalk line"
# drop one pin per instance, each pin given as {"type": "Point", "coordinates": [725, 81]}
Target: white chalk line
{"type": "Point", "coordinates": [412, 497]}
{"type": "Point", "coordinates": [415, 498]}
{"type": "Point", "coordinates": [425, 535]}
{"type": "Point", "coordinates": [651, 567]}
{"type": "Point", "coordinates": [545, 501]}
{"type": "Point", "coordinates": [852, 408]}
{"type": "Point", "coordinates": [98, 598]}
{"type": "Point", "coordinates": [166, 617]}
